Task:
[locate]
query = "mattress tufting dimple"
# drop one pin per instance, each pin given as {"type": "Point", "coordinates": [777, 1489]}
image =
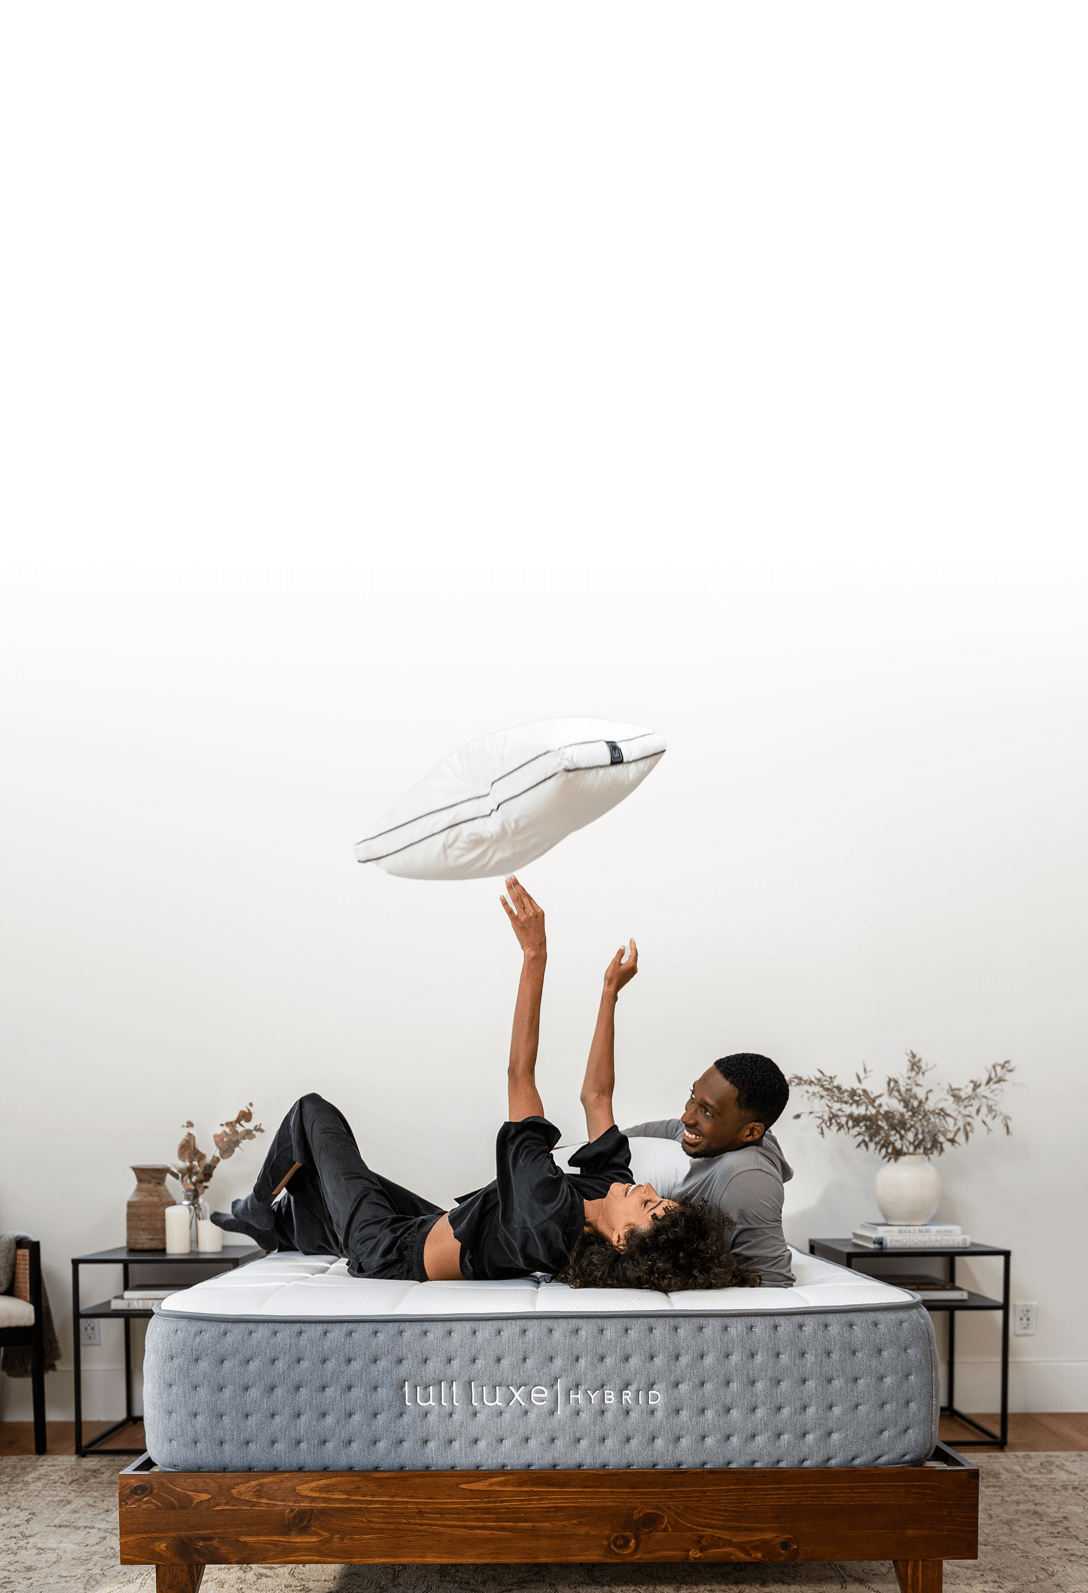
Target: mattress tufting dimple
{"type": "Point", "coordinates": [290, 1364]}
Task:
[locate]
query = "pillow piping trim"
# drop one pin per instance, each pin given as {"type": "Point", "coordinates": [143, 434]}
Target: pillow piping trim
{"type": "Point", "coordinates": [476, 817]}
{"type": "Point", "coordinates": [482, 796]}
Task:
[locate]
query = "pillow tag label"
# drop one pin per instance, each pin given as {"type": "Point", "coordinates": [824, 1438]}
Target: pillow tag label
{"type": "Point", "coordinates": [615, 750]}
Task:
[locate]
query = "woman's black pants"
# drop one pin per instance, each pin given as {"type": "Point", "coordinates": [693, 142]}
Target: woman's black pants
{"type": "Point", "coordinates": [335, 1204]}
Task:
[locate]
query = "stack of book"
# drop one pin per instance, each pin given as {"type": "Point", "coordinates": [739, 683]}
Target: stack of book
{"type": "Point", "coordinates": [911, 1236]}
{"type": "Point", "coordinates": [929, 1288]}
{"type": "Point", "coordinates": [139, 1299]}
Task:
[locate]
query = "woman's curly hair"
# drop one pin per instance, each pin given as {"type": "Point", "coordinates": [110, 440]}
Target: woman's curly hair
{"type": "Point", "coordinates": [684, 1248]}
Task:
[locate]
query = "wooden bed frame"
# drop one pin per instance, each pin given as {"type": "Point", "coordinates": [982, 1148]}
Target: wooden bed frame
{"type": "Point", "coordinates": [916, 1516]}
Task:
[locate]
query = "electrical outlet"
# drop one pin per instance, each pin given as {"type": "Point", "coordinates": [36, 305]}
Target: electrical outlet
{"type": "Point", "coordinates": [88, 1331]}
{"type": "Point", "coordinates": [1023, 1316]}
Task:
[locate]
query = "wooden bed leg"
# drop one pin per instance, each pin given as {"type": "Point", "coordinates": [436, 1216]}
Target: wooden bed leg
{"type": "Point", "coordinates": [919, 1576]}
{"type": "Point", "coordinates": [178, 1578]}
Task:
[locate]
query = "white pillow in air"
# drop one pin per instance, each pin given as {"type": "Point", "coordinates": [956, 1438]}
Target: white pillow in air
{"type": "Point", "coordinates": [503, 801]}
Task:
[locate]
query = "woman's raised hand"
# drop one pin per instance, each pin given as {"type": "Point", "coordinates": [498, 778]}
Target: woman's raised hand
{"type": "Point", "coordinates": [526, 919]}
{"type": "Point", "coordinates": [620, 973]}
{"type": "Point", "coordinates": [527, 922]}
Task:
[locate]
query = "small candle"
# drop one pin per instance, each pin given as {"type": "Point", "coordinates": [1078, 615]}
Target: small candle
{"type": "Point", "coordinates": [208, 1236]}
{"type": "Point", "coordinates": [177, 1230]}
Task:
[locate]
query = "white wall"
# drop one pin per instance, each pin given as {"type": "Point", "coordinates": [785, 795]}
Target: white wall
{"type": "Point", "coordinates": [381, 380]}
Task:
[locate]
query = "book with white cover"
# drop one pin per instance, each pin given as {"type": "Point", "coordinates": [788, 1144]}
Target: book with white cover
{"type": "Point", "coordinates": [139, 1299]}
{"type": "Point", "coordinates": [909, 1227]}
{"type": "Point", "coordinates": [911, 1241]}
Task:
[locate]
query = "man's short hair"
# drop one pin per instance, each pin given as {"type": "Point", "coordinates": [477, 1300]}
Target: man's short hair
{"type": "Point", "coordinates": [761, 1085]}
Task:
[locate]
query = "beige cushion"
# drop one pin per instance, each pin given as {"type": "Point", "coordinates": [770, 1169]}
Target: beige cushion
{"type": "Point", "coordinates": [15, 1313]}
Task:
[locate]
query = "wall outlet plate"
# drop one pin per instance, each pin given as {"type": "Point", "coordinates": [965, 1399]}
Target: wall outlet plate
{"type": "Point", "coordinates": [1023, 1316]}
{"type": "Point", "coordinates": [88, 1331]}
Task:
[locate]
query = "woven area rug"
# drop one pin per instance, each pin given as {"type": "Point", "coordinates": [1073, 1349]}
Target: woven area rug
{"type": "Point", "coordinates": [58, 1528]}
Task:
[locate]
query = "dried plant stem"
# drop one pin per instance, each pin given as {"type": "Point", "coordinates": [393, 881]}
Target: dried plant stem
{"type": "Point", "coordinates": [195, 1167]}
{"type": "Point", "coordinates": [907, 1118]}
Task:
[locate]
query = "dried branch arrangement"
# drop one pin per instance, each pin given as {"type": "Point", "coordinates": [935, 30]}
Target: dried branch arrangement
{"type": "Point", "coordinates": [195, 1168]}
{"type": "Point", "coordinates": [908, 1118]}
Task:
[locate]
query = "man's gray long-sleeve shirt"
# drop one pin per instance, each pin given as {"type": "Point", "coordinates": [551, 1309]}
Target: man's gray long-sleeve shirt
{"type": "Point", "coordinates": [747, 1185]}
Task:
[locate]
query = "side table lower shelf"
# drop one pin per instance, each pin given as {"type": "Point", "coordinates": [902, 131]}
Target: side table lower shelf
{"type": "Point", "coordinates": [845, 1252]}
{"type": "Point", "coordinates": [226, 1260]}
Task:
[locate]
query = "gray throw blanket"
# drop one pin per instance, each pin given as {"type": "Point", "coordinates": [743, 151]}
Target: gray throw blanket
{"type": "Point", "coordinates": [16, 1358]}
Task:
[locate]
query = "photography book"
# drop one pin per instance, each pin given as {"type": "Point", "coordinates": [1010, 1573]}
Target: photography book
{"type": "Point", "coordinates": [911, 1239]}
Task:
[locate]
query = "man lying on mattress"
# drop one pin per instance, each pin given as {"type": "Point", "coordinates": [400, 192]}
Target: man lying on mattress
{"type": "Point", "coordinates": [736, 1162]}
{"type": "Point", "coordinates": [591, 1228]}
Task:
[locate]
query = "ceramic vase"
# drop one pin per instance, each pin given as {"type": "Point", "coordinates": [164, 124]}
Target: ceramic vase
{"type": "Point", "coordinates": [908, 1191]}
{"type": "Point", "coordinates": [145, 1227]}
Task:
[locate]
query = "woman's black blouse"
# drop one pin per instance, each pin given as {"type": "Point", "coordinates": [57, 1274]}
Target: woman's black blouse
{"type": "Point", "coordinates": [529, 1217]}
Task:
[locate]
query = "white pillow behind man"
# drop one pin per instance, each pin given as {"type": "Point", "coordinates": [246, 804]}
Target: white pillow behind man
{"type": "Point", "coordinates": [660, 1162]}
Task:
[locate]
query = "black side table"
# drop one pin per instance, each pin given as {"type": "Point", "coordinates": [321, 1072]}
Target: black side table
{"type": "Point", "coordinates": [226, 1260]}
{"type": "Point", "coordinates": [846, 1252]}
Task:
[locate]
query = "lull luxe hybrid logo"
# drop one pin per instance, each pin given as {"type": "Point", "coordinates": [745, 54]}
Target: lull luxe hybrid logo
{"type": "Point", "coordinates": [457, 1393]}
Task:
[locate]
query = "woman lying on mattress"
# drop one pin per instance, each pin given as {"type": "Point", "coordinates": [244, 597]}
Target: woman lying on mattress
{"type": "Point", "coordinates": [591, 1228]}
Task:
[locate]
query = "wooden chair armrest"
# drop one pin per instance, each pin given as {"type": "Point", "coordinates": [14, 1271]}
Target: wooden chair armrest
{"type": "Point", "coordinates": [27, 1283]}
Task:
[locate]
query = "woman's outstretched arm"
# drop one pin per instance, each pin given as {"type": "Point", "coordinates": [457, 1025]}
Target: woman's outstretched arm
{"type": "Point", "coordinates": [600, 1079]}
{"type": "Point", "coordinates": [527, 920]}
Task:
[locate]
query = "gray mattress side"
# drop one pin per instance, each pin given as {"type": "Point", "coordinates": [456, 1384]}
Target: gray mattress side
{"type": "Point", "coordinates": [853, 1386]}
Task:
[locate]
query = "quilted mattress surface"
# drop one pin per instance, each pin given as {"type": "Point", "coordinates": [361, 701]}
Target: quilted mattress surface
{"type": "Point", "coordinates": [290, 1364]}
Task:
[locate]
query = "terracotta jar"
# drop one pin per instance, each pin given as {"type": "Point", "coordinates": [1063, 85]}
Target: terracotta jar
{"type": "Point", "coordinates": [146, 1211]}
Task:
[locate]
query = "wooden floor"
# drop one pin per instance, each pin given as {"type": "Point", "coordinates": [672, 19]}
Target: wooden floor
{"type": "Point", "coordinates": [1034, 1433]}
{"type": "Point", "coordinates": [17, 1438]}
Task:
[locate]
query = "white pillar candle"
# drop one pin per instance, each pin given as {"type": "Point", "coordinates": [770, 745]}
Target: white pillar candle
{"type": "Point", "coordinates": [208, 1236]}
{"type": "Point", "coordinates": [177, 1230]}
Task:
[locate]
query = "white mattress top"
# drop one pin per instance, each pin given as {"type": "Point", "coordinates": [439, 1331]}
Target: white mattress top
{"type": "Point", "coordinates": [288, 1284]}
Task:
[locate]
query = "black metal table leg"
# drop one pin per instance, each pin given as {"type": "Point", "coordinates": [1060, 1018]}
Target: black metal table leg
{"type": "Point", "coordinates": [77, 1359]}
{"type": "Point", "coordinates": [951, 1341]}
{"type": "Point", "coordinates": [1005, 1352]}
{"type": "Point", "coordinates": [128, 1352]}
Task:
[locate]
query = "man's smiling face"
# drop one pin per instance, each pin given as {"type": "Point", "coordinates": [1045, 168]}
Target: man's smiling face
{"type": "Point", "coordinates": [713, 1122]}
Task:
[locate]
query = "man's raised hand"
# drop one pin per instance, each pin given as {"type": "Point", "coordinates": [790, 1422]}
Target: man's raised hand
{"type": "Point", "coordinates": [620, 973]}
{"type": "Point", "coordinates": [600, 1079]}
{"type": "Point", "coordinates": [526, 919]}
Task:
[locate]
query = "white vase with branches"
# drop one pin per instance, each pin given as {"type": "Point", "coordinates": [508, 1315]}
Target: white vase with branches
{"type": "Point", "coordinates": [906, 1124]}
